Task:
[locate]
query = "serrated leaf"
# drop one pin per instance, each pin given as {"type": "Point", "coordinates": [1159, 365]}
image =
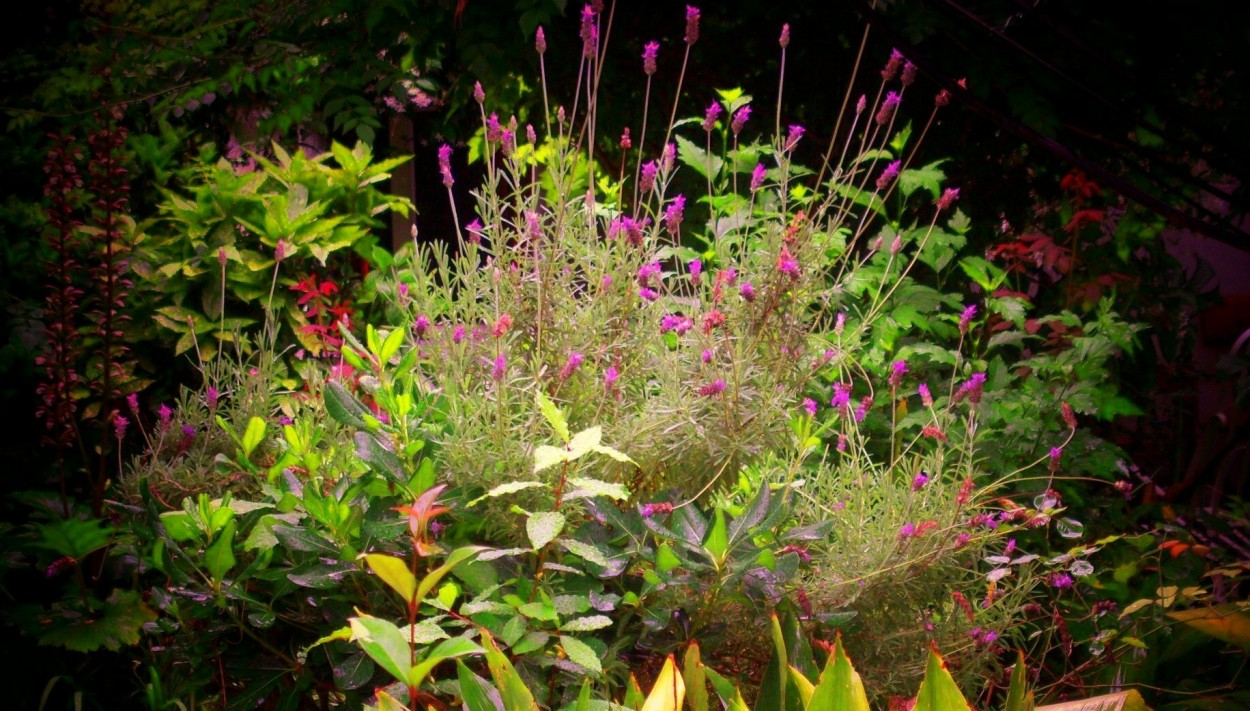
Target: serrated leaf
{"type": "Point", "coordinates": [594, 487]}
{"type": "Point", "coordinates": [553, 415]}
{"type": "Point", "coordinates": [543, 527]}
{"type": "Point", "coordinates": [589, 623]}
{"type": "Point", "coordinates": [581, 654]}
{"type": "Point", "coordinates": [119, 622]}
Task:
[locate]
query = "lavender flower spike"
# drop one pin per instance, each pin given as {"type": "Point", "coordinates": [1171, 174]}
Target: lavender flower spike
{"type": "Point", "coordinates": [444, 164]}
{"type": "Point", "coordinates": [649, 52]}
{"type": "Point", "coordinates": [692, 24]}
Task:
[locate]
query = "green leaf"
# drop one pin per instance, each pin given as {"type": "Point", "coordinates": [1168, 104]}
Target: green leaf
{"type": "Point", "coordinates": [929, 178]}
{"type": "Point", "coordinates": [117, 623]}
{"type": "Point", "coordinates": [382, 641]}
{"type": "Point", "coordinates": [546, 456]}
{"type": "Point", "coordinates": [665, 558]}
{"type": "Point", "coordinates": [343, 407]}
{"type": "Point", "coordinates": [553, 414]}
{"type": "Point", "coordinates": [253, 436]}
{"type": "Point", "coordinates": [455, 558]}
{"type": "Point", "coordinates": [353, 672]}
{"type": "Point", "coordinates": [669, 690]}
{"type": "Point", "coordinates": [584, 442]}
{"type": "Point", "coordinates": [585, 551]}
{"type": "Point", "coordinates": [717, 542]}
{"type": "Point", "coordinates": [581, 654]}
{"type": "Point", "coordinates": [424, 632]}
{"type": "Point", "coordinates": [447, 649]}
{"type": "Point", "coordinates": [803, 686]}
{"type": "Point", "coordinates": [696, 681]}
{"type": "Point", "coordinates": [840, 686]}
{"type": "Point", "coordinates": [706, 164]}
{"type": "Point", "coordinates": [219, 558]}
{"type": "Point", "coordinates": [516, 695]}
{"type": "Point", "coordinates": [394, 572]}
{"type": "Point", "coordinates": [391, 345]}
{"type": "Point", "coordinates": [78, 538]}
{"type": "Point", "coordinates": [589, 623]}
{"type": "Point", "coordinates": [476, 692]}
{"type": "Point", "coordinates": [593, 487]}
{"type": "Point", "coordinates": [938, 691]}
{"type": "Point", "coordinates": [543, 527]}
{"type": "Point", "coordinates": [1019, 696]}
{"type": "Point", "coordinates": [510, 488]}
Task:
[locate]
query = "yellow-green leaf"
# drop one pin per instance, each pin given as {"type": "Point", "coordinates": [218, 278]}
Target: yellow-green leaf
{"type": "Point", "coordinates": [840, 686]}
{"type": "Point", "coordinates": [1223, 622]}
{"type": "Point", "coordinates": [938, 691]}
{"type": "Point", "coordinates": [394, 572]}
{"type": "Point", "coordinates": [669, 691]}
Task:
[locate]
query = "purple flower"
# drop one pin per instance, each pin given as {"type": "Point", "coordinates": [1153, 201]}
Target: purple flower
{"type": "Point", "coordinates": [571, 365]}
{"type": "Point", "coordinates": [530, 134]}
{"type": "Point", "coordinates": [164, 413]}
{"type": "Point", "coordinates": [696, 271]}
{"type": "Point", "coordinates": [540, 41]}
{"type": "Point", "coordinates": [972, 388]}
{"type": "Point", "coordinates": [649, 170]}
{"type": "Point", "coordinates": [784, 41]}
{"type": "Point", "coordinates": [792, 138]}
{"type": "Point", "coordinates": [692, 24]}
{"type": "Point", "coordinates": [949, 196]}
{"type": "Point", "coordinates": [493, 128]}
{"type": "Point", "coordinates": [886, 112]}
{"type": "Point", "coordinates": [657, 509]}
{"type": "Point", "coordinates": [715, 387]}
{"type": "Point", "coordinates": [132, 401]}
{"type": "Point", "coordinates": [500, 367]}
{"type": "Point", "coordinates": [862, 104]}
{"type": "Point", "coordinates": [479, 95]}
{"type": "Point", "coordinates": [740, 118]}
{"type": "Point", "coordinates": [607, 281]}
{"type": "Point", "coordinates": [444, 164]}
{"type": "Point", "coordinates": [667, 158]}
{"type": "Point", "coordinates": [458, 334]}
{"type": "Point", "coordinates": [888, 175]}
{"type": "Point", "coordinates": [646, 271]}
{"type": "Point", "coordinates": [918, 483]}
{"type": "Point", "coordinates": [809, 405]}
{"type": "Point", "coordinates": [865, 404]}
{"type": "Point", "coordinates": [1010, 547]}
{"type": "Point", "coordinates": [909, 74]}
{"type": "Point", "coordinates": [648, 294]}
{"type": "Point", "coordinates": [965, 319]}
{"type": "Point", "coordinates": [609, 377]}
{"type": "Point", "coordinates": [787, 264]}
{"type": "Point", "coordinates": [839, 323]}
{"type": "Point", "coordinates": [757, 177]}
{"type": "Point", "coordinates": [1055, 454]}
{"type": "Point", "coordinates": [589, 32]}
{"type": "Point", "coordinates": [926, 398]}
{"type": "Point", "coordinates": [677, 324]}
{"type": "Point", "coordinates": [841, 397]}
{"type": "Point", "coordinates": [898, 370]}
{"type": "Point", "coordinates": [961, 540]}
{"type": "Point", "coordinates": [709, 118]}
{"type": "Point", "coordinates": [942, 99]}
{"type": "Point", "coordinates": [908, 530]}
{"type": "Point", "coordinates": [475, 231]}
{"type": "Point", "coordinates": [1060, 581]}
{"type": "Point", "coordinates": [841, 448]}
{"type": "Point", "coordinates": [120, 424]}
{"type": "Point", "coordinates": [673, 215]}
{"type": "Point", "coordinates": [211, 397]}
{"type": "Point", "coordinates": [747, 291]}
{"type": "Point", "coordinates": [892, 65]}
{"type": "Point", "coordinates": [706, 355]}
{"type": "Point", "coordinates": [649, 52]}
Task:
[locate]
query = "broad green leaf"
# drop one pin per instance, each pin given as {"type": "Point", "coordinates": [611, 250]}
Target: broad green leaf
{"type": "Point", "coordinates": [615, 454]}
{"type": "Point", "coordinates": [118, 622]}
{"type": "Point", "coordinates": [585, 441]}
{"type": "Point", "coordinates": [695, 678]}
{"type": "Point", "coordinates": [803, 686]}
{"type": "Point", "coordinates": [938, 691]}
{"type": "Point", "coordinates": [729, 695]}
{"type": "Point", "coordinates": [593, 487]}
{"type": "Point", "coordinates": [219, 558]}
{"type": "Point", "coordinates": [253, 436]}
{"type": "Point", "coordinates": [447, 649]}
{"type": "Point", "coordinates": [583, 697]}
{"type": "Point", "coordinates": [78, 538]}
{"type": "Point", "coordinates": [510, 488]}
{"type": "Point", "coordinates": [383, 641]}
{"type": "Point", "coordinates": [386, 702]}
{"type": "Point", "coordinates": [179, 525]}
{"type": "Point", "coordinates": [553, 414]}
{"type": "Point", "coordinates": [476, 692]}
{"type": "Point", "coordinates": [343, 407]}
{"type": "Point", "coordinates": [634, 697]}
{"type": "Point", "coordinates": [424, 632]}
{"type": "Point", "coordinates": [581, 653]}
{"type": "Point", "coordinates": [589, 623]}
{"type": "Point", "coordinates": [1223, 622]}
{"type": "Point", "coordinates": [546, 456]}
{"type": "Point", "coordinates": [669, 691]}
{"type": "Point", "coordinates": [433, 578]}
{"type": "Point", "coordinates": [717, 542]}
{"type": "Point", "coordinates": [543, 527]}
{"type": "Point", "coordinates": [776, 677]}
{"type": "Point", "coordinates": [353, 672]}
{"type": "Point", "coordinates": [393, 572]}
{"type": "Point", "coordinates": [706, 164]}
{"type": "Point", "coordinates": [929, 178]}
{"type": "Point", "coordinates": [1019, 696]}
{"type": "Point", "coordinates": [585, 551]}
{"type": "Point", "coordinates": [390, 346]}
{"type": "Point", "coordinates": [516, 695]}
{"type": "Point", "coordinates": [665, 558]}
{"type": "Point", "coordinates": [840, 686]}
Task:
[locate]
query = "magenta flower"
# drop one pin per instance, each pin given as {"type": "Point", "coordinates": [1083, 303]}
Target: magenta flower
{"type": "Point", "coordinates": [677, 324]}
{"type": "Point", "coordinates": [898, 370]}
{"type": "Point", "coordinates": [757, 177]}
{"type": "Point", "coordinates": [571, 365]}
{"type": "Point", "coordinates": [649, 52]}
{"type": "Point", "coordinates": [589, 33]}
{"type": "Point", "coordinates": [164, 413]}
{"type": "Point", "coordinates": [120, 424]}
{"type": "Point", "coordinates": [839, 323]}
{"type": "Point", "coordinates": [784, 40]}
{"type": "Point", "coordinates": [892, 65]}
{"type": "Point", "coordinates": [647, 294]}
{"type": "Point", "coordinates": [865, 404]}
{"type": "Point", "coordinates": [715, 387]}
{"type": "Point", "coordinates": [926, 398]}
{"type": "Point", "coordinates": [706, 355]}
{"type": "Point", "coordinates": [667, 157]}
{"type": "Point", "coordinates": [444, 164]}
{"type": "Point", "coordinates": [888, 175]}
{"type": "Point", "coordinates": [210, 397]}
{"type": "Point", "coordinates": [918, 483]}
{"type": "Point", "coordinates": [862, 104]}
{"type": "Point", "coordinates": [673, 215]}
{"type": "Point", "coordinates": [841, 397]}
{"type": "Point", "coordinates": [747, 291]}
{"type": "Point", "coordinates": [972, 388]}
{"type": "Point", "coordinates": [692, 24]}
{"type": "Point", "coordinates": [949, 196]}
{"type": "Point", "coordinates": [842, 443]}
{"type": "Point", "coordinates": [965, 319]}
{"type": "Point", "coordinates": [500, 368]}
{"type": "Point", "coordinates": [696, 271]}
{"type": "Point", "coordinates": [540, 41]}
{"type": "Point", "coordinates": [709, 118]}
{"type": "Point", "coordinates": [787, 264]}
{"type": "Point", "coordinates": [626, 141]}
{"type": "Point", "coordinates": [479, 94]}
{"type": "Point", "coordinates": [421, 325]}
{"type": "Point", "coordinates": [961, 540]}
{"type": "Point", "coordinates": [493, 128]}
{"type": "Point", "coordinates": [909, 74]}
{"type": "Point", "coordinates": [646, 271]}
{"type": "Point", "coordinates": [1055, 454]}
{"type": "Point", "coordinates": [792, 138]}
{"type": "Point", "coordinates": [886, 112]}
{"type": "Point", "coordinates": [741, 116]}
{"type": "Point", "coordinates": [649, 171]}
{"type": "Point", "coordinates": [609, 377]}
{"type": "Point", "coordinates": [908, 530]}
{"type": "Point", "coordinates": [942, 99]}
{"type": "Point", "coordinates": [1060, 581]}
{"type": "Point", "coordinates": [809, 405]}
{"type": "Point", "coordinates": [132, 402]}
{"type": "Point", "coordinates": [458, 334]}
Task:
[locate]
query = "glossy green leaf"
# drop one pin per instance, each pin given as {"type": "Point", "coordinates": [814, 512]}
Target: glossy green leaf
{"type": "Point", "coordinates": [447, 649]}
{"type": "Point", "coordinates": [383, 641]}
{"type": "Point", "coordinates": [432, 579]}
{"type": "Point", "coordinates": [840, 686]}
{"type": "Point", "coordinates": [477, 693]}
{"type": "Point", "coordinates": [343, 407]}
{"type": "Point", "coordinates": [938, 691]}
{"type": "Point", "coordinates": [219, 558]}
{"type": "Point", "coordinates": [800, 683]}
{"type": "Point", "coordinates": [253, 436]}
{"type": "Point", "coordinates": [393, 572]}
{"type": "Point", "coordinates": [390, 346]}
{"type": "Point", "coordinates": [717, 542]}
{"type": "Point", "coordinates": [510, 488]}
